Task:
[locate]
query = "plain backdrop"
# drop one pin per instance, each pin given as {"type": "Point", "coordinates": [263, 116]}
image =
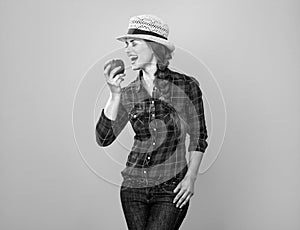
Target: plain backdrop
{"type": "Point", "coordinates": [253, 50]}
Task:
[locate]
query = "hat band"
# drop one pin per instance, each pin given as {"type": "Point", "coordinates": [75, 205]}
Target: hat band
{"type": "Point", "coordinates": [138, 31]}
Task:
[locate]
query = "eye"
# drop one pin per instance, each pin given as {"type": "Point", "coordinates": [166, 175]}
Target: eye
{"type": "Point", "coordinates": [133, 42]}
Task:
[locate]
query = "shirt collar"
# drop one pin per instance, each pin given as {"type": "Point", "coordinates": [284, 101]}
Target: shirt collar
{"type": "Point", "coordinates": [138, 81]}
{"type": "Point", "coordinates": [162, 75]}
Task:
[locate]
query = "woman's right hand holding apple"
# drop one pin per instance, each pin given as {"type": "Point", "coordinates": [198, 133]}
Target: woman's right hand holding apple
{"type": "Point", "coordinates": [114, 75]}
{"type": "Point", "coordinates": [114, 80]}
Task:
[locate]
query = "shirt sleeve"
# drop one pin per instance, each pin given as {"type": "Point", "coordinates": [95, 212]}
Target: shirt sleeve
{"type": "Point", "coordinates": [196, 118]}
{"type": "Point", "coordinates": [107, 130]}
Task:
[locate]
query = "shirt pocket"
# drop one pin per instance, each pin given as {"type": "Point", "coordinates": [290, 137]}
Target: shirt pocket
{"type": "Point", "coordinates": [178, 103]}
{"type": "Point", "coordinates": [132, 158]}
{"type": "Point", "coordinates": [137, 116]}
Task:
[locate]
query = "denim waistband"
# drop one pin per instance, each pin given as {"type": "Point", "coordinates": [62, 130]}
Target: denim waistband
{"type": "Point", "coordinates": [136, 182]}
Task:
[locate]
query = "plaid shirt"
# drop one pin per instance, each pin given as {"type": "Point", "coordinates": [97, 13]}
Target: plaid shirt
{"type": "Point", "coordinates": [160, 122]}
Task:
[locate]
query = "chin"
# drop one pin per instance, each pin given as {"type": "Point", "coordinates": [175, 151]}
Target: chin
{"type": "Point", "coordinates": [133, 67]}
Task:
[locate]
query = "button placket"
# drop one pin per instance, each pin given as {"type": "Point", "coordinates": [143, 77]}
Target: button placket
{"type": "Point", "coordinates": [152, 105]}
{"type": "Point", "coordinates": [153, 109]}
{"type": "Point", "coordinates": [148, 160]}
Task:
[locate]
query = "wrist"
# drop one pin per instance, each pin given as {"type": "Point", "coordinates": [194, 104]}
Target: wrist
{"type": "Point", "coordinates": [192, 176]}
{"type": "Point", "coordinates": [115, 96]}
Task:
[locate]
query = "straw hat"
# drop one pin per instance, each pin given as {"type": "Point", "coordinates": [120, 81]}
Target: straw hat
{"type": "Point", "coordinates": [148, 27]}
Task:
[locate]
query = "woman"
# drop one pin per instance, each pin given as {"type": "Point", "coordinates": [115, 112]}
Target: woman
{"type": "Point", "coordinates": [162, 107]}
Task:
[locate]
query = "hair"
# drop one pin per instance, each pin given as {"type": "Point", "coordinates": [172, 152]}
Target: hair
{"type": "Point", "coordinates": [162, 54]}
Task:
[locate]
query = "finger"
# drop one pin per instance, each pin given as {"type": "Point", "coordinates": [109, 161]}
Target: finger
{"type": "Point", "coordinates": [179, 194]}
{"type": "Point", "coordinates": [117, 79]}
{"type": "Point", "coordinates": [106, 70]}
{"type": "Point", "coordinates": [120, 75]}
{"type": "Point", "coordinates": [182, 199]}
{"type": "Point", "coordinates": [186, 200]}
{"type": "Point", "coordinates": [177, 188]}
{"type": "Point", "coordinates": [114, 71]}
{"type": "Point", "coordinates": [113, 81]}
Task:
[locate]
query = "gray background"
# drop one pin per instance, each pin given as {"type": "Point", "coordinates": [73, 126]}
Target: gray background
{"type": "Point", "coordinates": [252, 47]}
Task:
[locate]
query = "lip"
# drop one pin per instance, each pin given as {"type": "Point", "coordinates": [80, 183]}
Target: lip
{"type": "Point", "coordinates": [133, 58]}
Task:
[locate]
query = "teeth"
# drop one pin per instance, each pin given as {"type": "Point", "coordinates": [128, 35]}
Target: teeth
{"type": "Point", "coordinates": [133, 58]}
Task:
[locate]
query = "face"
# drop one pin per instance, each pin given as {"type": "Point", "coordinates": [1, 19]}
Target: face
{"type": "Point", "coordinates": [139, 53]}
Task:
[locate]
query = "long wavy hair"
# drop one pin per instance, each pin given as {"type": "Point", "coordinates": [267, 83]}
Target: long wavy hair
{"type": "Point", "coordinates": [162, 54]}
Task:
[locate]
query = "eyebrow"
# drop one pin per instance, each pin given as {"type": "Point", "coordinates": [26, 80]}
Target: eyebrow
{"type": "Point", "coordinates": [130, 40]}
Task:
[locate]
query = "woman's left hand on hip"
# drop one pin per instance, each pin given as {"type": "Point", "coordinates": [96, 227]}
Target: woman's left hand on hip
{"type": "Point", "coordinates": [184, 190]}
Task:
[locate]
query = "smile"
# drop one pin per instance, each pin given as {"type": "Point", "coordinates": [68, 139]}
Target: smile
{"type": "Point", "coordinates": [133, 59]}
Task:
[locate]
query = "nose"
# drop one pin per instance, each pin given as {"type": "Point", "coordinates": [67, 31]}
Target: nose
{"type": "Point", "coordinates": [127, 49]}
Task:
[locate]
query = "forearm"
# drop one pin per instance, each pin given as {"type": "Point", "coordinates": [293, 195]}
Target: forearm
{"type": "Point", "coordinates": [195, 159]}
{"type": "Point", "coordinates": [112, 120]}
{"type": "Point", "coordinates": [112, 106]}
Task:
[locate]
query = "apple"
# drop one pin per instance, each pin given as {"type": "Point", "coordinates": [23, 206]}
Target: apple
{"type": "Point", "coordinates": [115, 63]}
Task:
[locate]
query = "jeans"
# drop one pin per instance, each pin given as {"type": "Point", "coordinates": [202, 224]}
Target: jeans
{"type": "Point", "coordinates": [151, 207]}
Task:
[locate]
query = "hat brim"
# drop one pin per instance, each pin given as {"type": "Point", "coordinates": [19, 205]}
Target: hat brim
{"type": "Point", "coordinates": [162, 41]}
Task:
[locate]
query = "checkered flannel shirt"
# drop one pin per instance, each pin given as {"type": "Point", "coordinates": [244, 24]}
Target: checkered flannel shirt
{"type": "Point", "coordinates": [160, 122]}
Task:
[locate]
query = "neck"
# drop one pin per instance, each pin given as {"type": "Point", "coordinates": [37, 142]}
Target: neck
{"type": "Point", "coordinates": [149, 71]}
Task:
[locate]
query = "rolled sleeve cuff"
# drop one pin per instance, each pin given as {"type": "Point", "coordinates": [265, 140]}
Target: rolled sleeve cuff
{"type": "Point", "coordinates": [198, 145]}
{"type": "Point", "coordinates": [104, 130]}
